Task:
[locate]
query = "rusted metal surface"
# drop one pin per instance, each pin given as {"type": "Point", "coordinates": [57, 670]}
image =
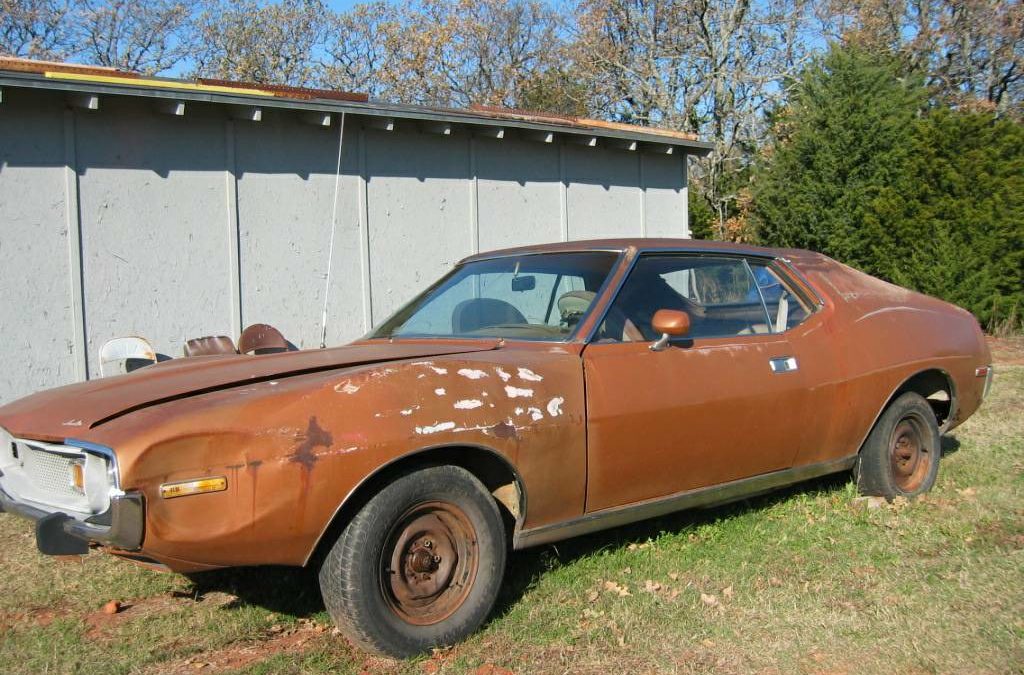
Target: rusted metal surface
{"type": "Point", "coordinates": [430, 563]}
{"type": "Point", "coordinates": [587, 426]}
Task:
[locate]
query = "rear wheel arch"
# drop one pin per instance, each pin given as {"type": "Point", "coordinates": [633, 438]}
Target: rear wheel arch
{"type": "Point", "coordinates": [490, 467]}
{"type": "Point", "coordinates": [937, 387]}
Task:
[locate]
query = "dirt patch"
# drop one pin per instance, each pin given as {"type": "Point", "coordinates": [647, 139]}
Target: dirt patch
{"type": "Point", "coordinates": [101, 623]}
{"type": "Point", "coordinates": [242, 655]}
{"type": "Point", "coordinates": [1007, 350]}
{"type": "Point", "coordinates": [39, 617]}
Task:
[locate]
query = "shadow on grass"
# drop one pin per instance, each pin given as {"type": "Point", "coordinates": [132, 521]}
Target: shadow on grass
{"type": "Point", "coordinates": [526, 567]}
{"type": "Point", "coordinates": [295, 592]}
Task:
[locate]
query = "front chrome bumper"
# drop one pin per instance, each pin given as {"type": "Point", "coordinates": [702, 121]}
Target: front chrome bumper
{"type": "Point", "coordinates": [121, 526]}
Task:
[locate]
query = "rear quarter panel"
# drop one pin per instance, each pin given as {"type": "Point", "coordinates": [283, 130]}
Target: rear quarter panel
{"type": "Point", "coordinates": [884, 335]}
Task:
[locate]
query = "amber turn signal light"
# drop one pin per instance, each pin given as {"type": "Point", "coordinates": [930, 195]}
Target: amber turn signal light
{"type": "Point", "coordinates": [78, 476]}
{"type": "Point", "coordinates": [193, 487]}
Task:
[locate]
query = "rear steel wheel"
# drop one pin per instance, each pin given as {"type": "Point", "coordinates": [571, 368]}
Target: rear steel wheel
{"type": "Point", "coordinates": [901, 455]}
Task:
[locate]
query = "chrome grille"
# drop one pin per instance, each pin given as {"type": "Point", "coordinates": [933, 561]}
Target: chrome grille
{"type": "Point", "coordinates": [49, 471]}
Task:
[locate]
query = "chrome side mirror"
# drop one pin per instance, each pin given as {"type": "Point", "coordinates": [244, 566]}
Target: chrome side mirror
{"type": "Point", "coordinates": [670, 323]}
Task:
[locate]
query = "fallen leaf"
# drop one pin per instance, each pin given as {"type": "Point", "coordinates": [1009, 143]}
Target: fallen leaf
{"type": "Point", "coordinates": [727, 591]}
{"type": "Point", "coordinates": [709, 600]}
{"type": "Point", "coordinates": [673, 576]}
{"type": "Point", "coordinates": [652, 586]}
{"type": "Point", "coordinates": [612, 587]}
{"type": "Point", "coordinates": [775, 581]}
{"type": "Point", "coordinates": [592, 596]}
{"type": "Point", "coordinates": [708, 643]}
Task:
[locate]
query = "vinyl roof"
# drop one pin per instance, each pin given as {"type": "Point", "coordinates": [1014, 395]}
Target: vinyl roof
{"type": "Point", "coordinates": [97, 80]}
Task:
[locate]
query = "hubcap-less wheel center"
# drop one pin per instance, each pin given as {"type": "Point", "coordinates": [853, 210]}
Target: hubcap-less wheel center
{"type": "Point", "coordinates": [429, 563]}
{"type": "Point", "coordinates": [909, 455]}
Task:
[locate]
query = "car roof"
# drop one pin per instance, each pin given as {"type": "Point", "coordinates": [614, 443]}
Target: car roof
{"type": "Point", "coordinates": [645, 244]}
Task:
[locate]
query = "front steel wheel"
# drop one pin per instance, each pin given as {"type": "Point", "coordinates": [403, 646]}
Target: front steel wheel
{"type": "Point", "coordinates": [901, 455]}
{"type": "Point", "coordinates": [429, 563]}
{"type": "Point", "coordinates": [419, 566]}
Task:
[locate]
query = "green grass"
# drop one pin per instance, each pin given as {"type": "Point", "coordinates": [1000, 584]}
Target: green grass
{"type": "Point", "coordinates": [805, 580]}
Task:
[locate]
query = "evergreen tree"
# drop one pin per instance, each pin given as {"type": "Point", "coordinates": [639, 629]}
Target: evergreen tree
{"type": "Point", "coordinates": [930, 199]}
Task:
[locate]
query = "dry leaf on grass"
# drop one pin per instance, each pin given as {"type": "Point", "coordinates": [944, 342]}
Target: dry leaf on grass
{"type": "Point", "coordinates": [620, 590]}
{"type": "Point", "coordinates": [709, 600]}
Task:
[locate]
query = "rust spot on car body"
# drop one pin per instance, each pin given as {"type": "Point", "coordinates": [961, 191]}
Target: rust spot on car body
{"type": "Point", "coordinates": [314, 437]}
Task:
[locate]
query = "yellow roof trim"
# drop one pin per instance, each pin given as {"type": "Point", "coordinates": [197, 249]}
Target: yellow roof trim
{"type": "Point", "coordinates": [163, 84]}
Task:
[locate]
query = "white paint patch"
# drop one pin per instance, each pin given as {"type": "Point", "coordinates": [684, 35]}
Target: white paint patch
{"type": "Point", "coordinates": [72, 423]}
{"type": "Point", "coordinates": [420, 376]}
{"type": "Point", "coordinates": [430, 364]}
{"type": "Point", "coordinates": [442, 426]}
{"type": "Point", "coordinates": [468, 404]}
{"type": "Point", "coordinates": [440, 391]}
{"type": "Point", "coordinates": [346, 387]}
{"type": "Point", "coordinates": [535, 414]}
{"type": "Point", "coordinates": [408, 411]}
{"type": "Point", "coordinates": [529, 375]}
{"type": "Point", "coordinates": [505, 377]}
{"type": "Point", "coordinates": [273, 383]}
{"type": "Point", "coordinates": [519, 411]}
{"type": "Point", "coordinates": [472, 373]}
{"type": "Point", "coordinates": [555, 406]}
{"type": "Point", "coordinates": [515, 392]}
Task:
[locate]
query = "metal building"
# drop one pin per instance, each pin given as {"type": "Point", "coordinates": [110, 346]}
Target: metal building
{"type": "Point", "coordinates": [173, 209]}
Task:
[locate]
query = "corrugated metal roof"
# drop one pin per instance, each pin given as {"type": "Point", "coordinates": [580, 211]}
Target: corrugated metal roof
{"type": "Point", "coordinates": [102, 80]}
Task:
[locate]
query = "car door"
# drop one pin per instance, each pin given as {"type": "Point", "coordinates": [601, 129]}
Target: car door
{"type": "Point", "coordinates": [727, 402]}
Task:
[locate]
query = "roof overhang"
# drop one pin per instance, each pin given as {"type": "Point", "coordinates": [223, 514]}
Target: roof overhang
{"type": "Point", "coordinates": [490, 121]}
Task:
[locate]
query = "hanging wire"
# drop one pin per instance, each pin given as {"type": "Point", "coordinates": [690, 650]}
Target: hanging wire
{"type": "Point", "coordinates": [334, 229]}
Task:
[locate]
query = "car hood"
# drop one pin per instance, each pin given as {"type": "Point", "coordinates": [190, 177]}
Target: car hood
{"type": "Point", "coordinates": [65, 412]}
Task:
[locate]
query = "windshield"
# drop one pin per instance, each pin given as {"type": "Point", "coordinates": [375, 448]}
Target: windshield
{"type": "Point", "coordinates": [530, 297]}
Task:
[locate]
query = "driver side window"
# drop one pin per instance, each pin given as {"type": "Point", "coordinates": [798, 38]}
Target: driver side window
{"type": "Point", "coordinates": [719, 294]}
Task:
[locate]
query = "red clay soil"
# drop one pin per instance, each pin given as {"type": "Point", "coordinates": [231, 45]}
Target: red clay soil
{"type": "Point", "coordinates": [1007, 350]}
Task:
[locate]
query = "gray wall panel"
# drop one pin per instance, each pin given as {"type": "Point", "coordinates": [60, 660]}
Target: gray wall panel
{"type": "Point", "coordinates": [35, 287]}
{"type": "Point", "coordinates": [518, 188]}
{"type": "Point", "coordinates": [418, 201]}
{"type": "Point", "coordinates": [603, 194]}
{"type": "Point", "coordinates": [665, 207]}
{"type": "Point", "coordinates": [154, 242]}
{"type": "Point", "coordinates": [285, 172]}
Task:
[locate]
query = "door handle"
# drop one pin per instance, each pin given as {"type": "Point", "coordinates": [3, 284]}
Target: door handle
{"type": "Point", "coordinates": [783, 364]}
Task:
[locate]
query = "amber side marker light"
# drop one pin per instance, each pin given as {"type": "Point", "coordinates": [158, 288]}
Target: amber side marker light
{"type": "Point", "coordinates": [986, 372]}
{"type": "Point", "coordinates": [193, 487]}
{"type": "Point", "coordinates": [78, 476]}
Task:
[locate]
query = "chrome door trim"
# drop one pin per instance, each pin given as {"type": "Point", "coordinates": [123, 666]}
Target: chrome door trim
{"type": "Point", "coordinates": [701, 497]}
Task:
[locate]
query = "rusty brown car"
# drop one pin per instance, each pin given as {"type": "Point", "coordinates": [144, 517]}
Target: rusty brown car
{"type": "Point", "coordinates": [530, 395]}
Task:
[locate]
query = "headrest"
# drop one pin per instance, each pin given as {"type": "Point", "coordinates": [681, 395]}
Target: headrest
{"type": "Point", "coordinates": [210, 345]}
{"type": "Point", "coordinates": [261, 338]}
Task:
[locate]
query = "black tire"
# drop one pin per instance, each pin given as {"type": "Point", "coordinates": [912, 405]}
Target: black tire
{"type": "Point", "coordinates": [900, 457]}
{"type": "Point", "coordinates": [373, 603]}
